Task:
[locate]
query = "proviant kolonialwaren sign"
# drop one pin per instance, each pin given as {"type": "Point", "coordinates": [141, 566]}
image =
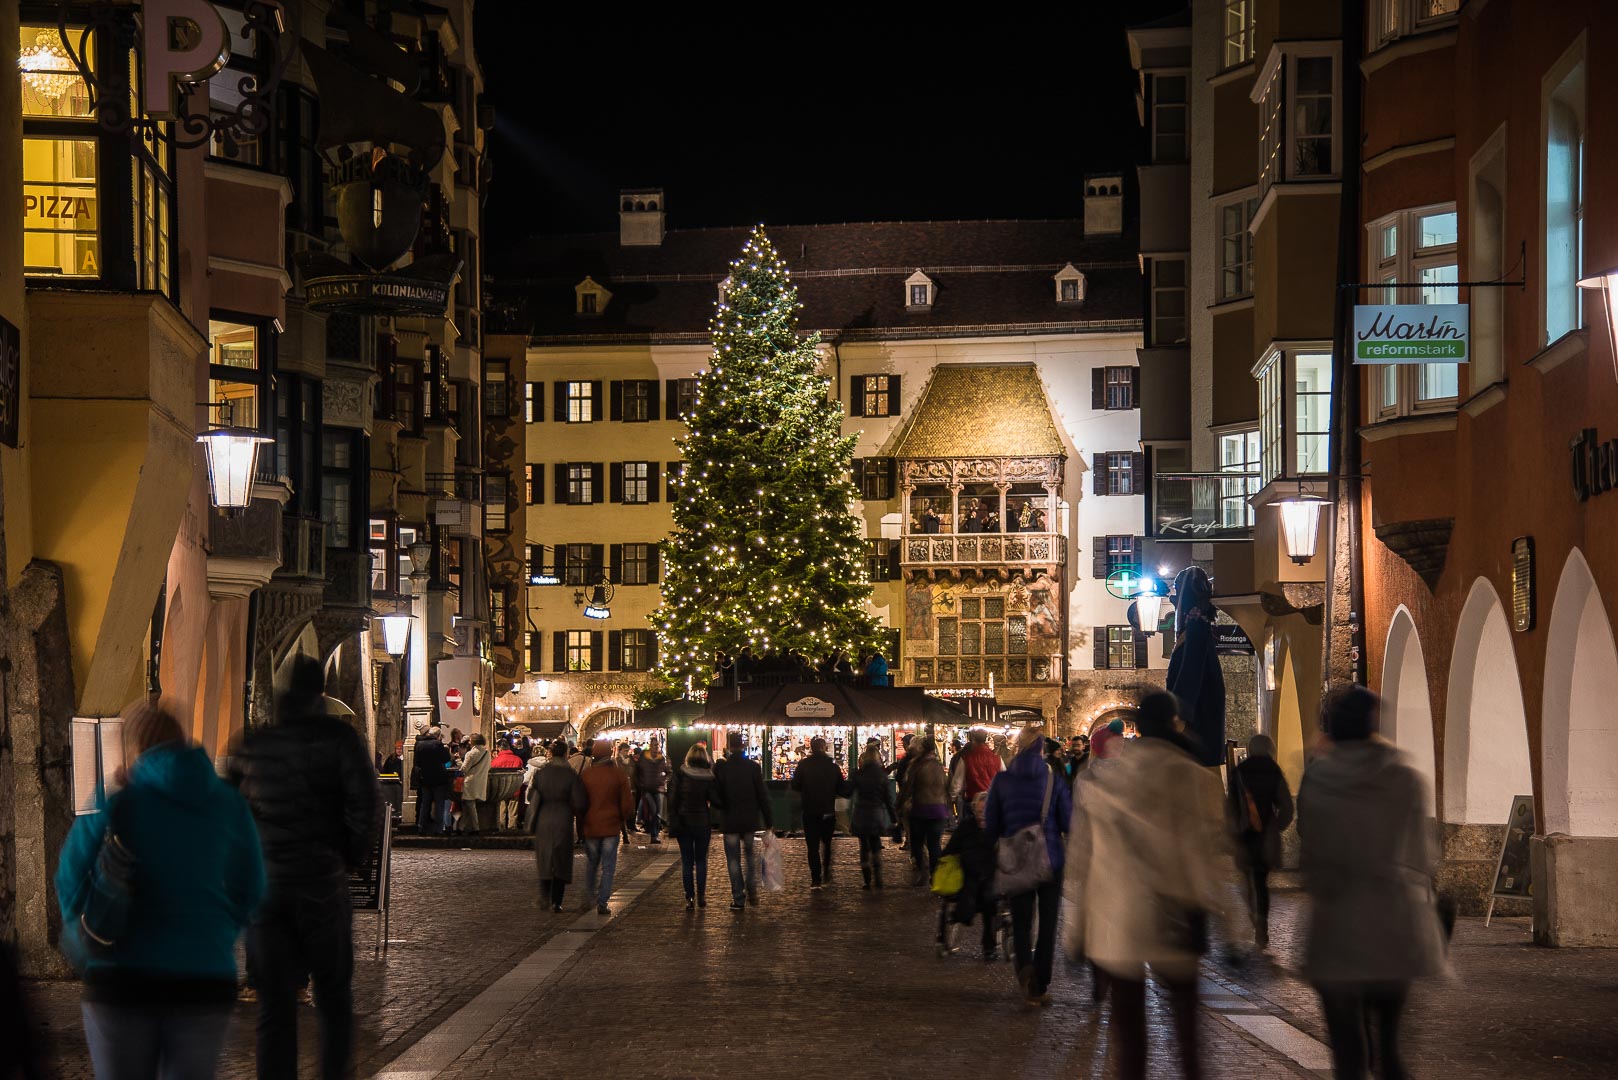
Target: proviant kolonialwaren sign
{"type": "Point", "coordinates": [1411, 333]}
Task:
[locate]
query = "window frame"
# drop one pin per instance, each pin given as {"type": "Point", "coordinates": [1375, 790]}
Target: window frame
{"type": "Point", "coordinates": [579, 650]}
{"type": "Point", "coordinates": [1278, 133]}
{"type": "Point", "coordinates": [1276, 374]}
{"type": "Point", "coordinates": [1389, 20]}
{"type": "Point", "coordinates": [1243, 39]}
{"type": "Point", "coordinates": [635, 556]}
{"type": "Point", "coordinates": [1119, 639]}
{"type": "Point", "coordinates": [685, 397]}
{"type": "Point", "coordinates": [1183, 290]}
{"type": "Point", "coordinates": [1123, 552]}
{"type": "Point", "coordinates": [637, 652]}
{"type": "Point", "coordinates": [1157, 107]}
{"type": "Point", "coordinates": [1239, 491]}
{"type": "Point", "coordinates": [1247, 204]}
{"type": "Point", "coordinates": [1564, 102]}
{"type": "Point", "coordinates": [638, 391]}
{"type": "Point", "coordinates": [876, 395]}
{"type": "Point", "coordinates": [580, 483]}
{"type": "Point", "coordinates": [497, 512]}
{"type": "Point", "coordinates": [1405, 263]}
{"type": "Point", "coordinates": [578, 567]}
{"type": "Point", "coordinates": [580, 401]}
{"type": "Point", "coordinates": [644, 480]}
{"type": "Point", "coordinates": [1119, 377]}
{"type": "Point", "coordinates": [1120, 466]}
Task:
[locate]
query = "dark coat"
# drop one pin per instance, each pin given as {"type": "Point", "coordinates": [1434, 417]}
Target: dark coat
{"type": "Point", "coordinates": [432, 765]}
{"type": "Point", "coordinates": [873, 798]}
{"type": "Point", "coordinates": [742, 798]}
{"type": "Point", "coordinates": [976, 853]}
{"type": "Point", "coordinates": [1261, 778]}
{"type": "Point", "coordinates": [1194, 674]}
{"type": "Point", "coordinates": [651, 774]}
{"type": "Point", "coordinates": [314, 794]}
{"type": "Point", "coordinates": [1015, 799]}
{"type": "Point", "coordinates": [819, 780]}
{"type": "Point", "coordinates": [691, 800]}
{"type": "Point", "coordinates": [556, 799]}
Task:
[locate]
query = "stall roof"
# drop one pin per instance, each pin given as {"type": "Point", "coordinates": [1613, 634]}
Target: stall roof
{"type": "Point", "coordinates": [849, 705]}
{"type": "Point", "coordinates": [666, 715]}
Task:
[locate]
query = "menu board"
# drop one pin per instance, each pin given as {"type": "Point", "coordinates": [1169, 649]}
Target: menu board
{"type": "Point", "coordinates": [1513, 874]}
{"type": "Point", "coordinates": [368, 882]}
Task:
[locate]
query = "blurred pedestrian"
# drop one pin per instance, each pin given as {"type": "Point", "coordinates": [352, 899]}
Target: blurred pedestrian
{"type": "Point", "coordinates": [743, 802]}
{"type": "Point", "coordinates": [873, 815]}
{"type": "Point", "coordinates": [577, 757]}
{"type": "Point", "coordinates": [971, 844]}
{"type": "Point", "coordinates": [651, 782]}
{"type": "Point", "coordinates": [1031, 793]}
{"type": "Point", "coordinates": [1368, 858]}
{"type": "Point", "coordinates": [505, 757]}
{"type": "Point", "coordinates": [876, 670]}
{"type": "Point", "coordinates": [432, 775]}
{"type": "Point", "coordinates": [691, 804]}
{"type": "Point", "coordinates": [1146, 873]}
{"type": "Point", "coordinates": [556, 798]}
{"type": "Point", "coordinates": [475, 784]}
{"type": "Point", "coordinates": [819, 781]}
{"type": "Point", "coordinates": [159, 982]}
{"type": "Point", "coordinates": [1260, 810]}
{"type": "Point", "coordinates": [901, 765]}
{"type": "Point", "coordinates": [979, 765]}
{"type": "Point", "coordinates": [924, 798]}
{"type": "Point", "coordinates": [609, 802]}
{"type": "Point", "coordinates": [624, 758]}
{"type": "Point", "coordinates": [314, 794]}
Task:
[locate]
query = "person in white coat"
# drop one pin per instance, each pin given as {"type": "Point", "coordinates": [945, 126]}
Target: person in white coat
{"type": "Point", "coordinates": [1148, 868]}
{"type": "Point", "coordinates": [1368, 853]}
{"type": "Point", "coordinates": [475, 785]}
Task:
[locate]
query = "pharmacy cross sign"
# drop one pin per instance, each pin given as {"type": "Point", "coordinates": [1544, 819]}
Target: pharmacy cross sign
{"type": "Point", "coordinates": [1125, 584]}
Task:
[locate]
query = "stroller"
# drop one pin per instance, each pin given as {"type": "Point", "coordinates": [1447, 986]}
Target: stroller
{"type": "Point", "coordinates": [964, 885]}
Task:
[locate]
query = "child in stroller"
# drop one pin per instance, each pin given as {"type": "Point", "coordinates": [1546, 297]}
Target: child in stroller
{"type": "Point", "coordinates": [969, 844]}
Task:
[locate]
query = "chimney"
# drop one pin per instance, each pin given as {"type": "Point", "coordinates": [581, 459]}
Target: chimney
{"type": "Point", "coordinates": [1104, 205]}
{"type": "Point", "coordinates": [640, 217]}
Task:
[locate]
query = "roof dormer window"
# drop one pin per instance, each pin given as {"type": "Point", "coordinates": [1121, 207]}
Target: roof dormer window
{"type": "Point", "coordinates": [724, 289]}
{"type": "Point", "coordinates": [1069, 285]}
{"type": "Point", "coordinates": [920, 291]}
{"type": "Point", "coordinates": [590, 298]}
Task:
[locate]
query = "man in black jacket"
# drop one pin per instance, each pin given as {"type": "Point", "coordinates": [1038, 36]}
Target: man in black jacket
{"type": "Point", "coordinates": [433, 776]}
{"type": "Point", "coordinates": [742, 798]}
{"type": "Point", "coordinates": [309, 781]}
{"type": "Point", "coordinates": [819, 780]}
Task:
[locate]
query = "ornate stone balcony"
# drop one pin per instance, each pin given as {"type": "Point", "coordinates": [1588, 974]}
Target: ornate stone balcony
{"type": "Point", "coordinates": [983, 549]}
{"type": "Point", "coordinates": [245, 549]}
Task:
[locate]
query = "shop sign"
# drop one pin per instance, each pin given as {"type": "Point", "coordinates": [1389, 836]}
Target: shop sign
{"type": "Point", "coordinates": [1231, 640]}
{"type": "Point", "coordinates": [1522, 584]}
{"type": "Point", "coordinates": [1513, 870]}
{"type": "Point", "coordinates": [187, 42]}
{"type": "Point", "coordinates": [1595, 464]}
{"type": "Point", "coordinates": [370, 294]}
{"type": "Point", "coordinates": [10, 381]}
{"type": "Point", "coordinates": [810, 708]}
{"type": "Point", "coordinates": [1411, 333]}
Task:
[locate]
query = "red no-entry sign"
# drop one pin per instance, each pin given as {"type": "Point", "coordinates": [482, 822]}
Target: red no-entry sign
{"type": "Point", "coordinates": [452, 698]}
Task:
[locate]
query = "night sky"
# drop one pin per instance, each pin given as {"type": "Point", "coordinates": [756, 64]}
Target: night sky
{"type": "Point", "coordinates": [840, 118]}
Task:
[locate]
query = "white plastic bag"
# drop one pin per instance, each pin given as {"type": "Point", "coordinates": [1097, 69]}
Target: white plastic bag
{"type": "Point", "coordinates": [772, 875]}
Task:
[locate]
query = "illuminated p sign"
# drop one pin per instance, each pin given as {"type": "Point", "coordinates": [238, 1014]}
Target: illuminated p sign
{"type": "Point", "coordinates": [186, 41]}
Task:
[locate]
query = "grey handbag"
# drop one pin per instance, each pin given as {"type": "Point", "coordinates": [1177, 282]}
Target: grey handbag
{"type": "Point", "coordinates": [1022, 860]}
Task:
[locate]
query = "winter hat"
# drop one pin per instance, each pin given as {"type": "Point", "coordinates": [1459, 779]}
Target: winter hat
{"type": "Point", "coordinates": [1261, 746]}
{"type": "Point", "coordinates": [1157, 712]}
{"type": "Point", "coordinates": [1350, 713]}
{"type": "Point", "coordinates": [1105, 742]}
{"type": "Point", "coordinates": [1116, 727]}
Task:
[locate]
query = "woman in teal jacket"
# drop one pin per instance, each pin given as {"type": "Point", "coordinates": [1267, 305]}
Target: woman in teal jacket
{"type": "Point", "coordinates": [158, 999]}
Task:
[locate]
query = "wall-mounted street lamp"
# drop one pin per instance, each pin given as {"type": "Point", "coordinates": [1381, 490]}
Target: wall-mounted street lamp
{"type": "Point", "coordinates": [1607, 283]}
{"type": "Point", "coordinates": [544, 688]}
{"type": "Point", "coordinates": [1300, 524]}
{"type": "Point", "coordinates": [1152, 605]}
{"type": "Point", "coordinates": [232, 455]}
{"type": "Point", "coordinates": [396, 632]}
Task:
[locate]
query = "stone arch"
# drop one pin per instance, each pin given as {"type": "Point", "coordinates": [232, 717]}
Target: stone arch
{"type": "Point", "coordinates": [1407, 705]}
{"type": "Point", "coordinates": [1485, 728]}
{"type": "Point", "coordinates": [1580, 744]}
{"type": "Point", "coordinates": [1287, 721]}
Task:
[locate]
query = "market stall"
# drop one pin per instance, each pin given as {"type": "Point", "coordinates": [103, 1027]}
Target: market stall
{"type": "Point", "coordinates": [674, 725]}
{"type": "Point", "coordinates": [778, 724]}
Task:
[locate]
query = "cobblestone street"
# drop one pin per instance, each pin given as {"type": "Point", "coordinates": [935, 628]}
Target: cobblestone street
{"type": "Point", "coordinates": [842, 982]}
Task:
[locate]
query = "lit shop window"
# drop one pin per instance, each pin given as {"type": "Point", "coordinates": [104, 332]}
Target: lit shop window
{"type": "Point", "coordinates": [236, 371]}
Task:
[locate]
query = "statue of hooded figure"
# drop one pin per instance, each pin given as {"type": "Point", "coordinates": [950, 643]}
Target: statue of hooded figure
{"type": "Point", "coordinates": [1194, 673]}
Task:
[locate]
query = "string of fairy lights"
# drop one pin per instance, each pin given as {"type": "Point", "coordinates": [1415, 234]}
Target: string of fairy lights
{"type": "Point", "coordinates": [765, 550]}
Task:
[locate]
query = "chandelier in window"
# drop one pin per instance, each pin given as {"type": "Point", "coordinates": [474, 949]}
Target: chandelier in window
{"type": "Point", "coordinates": [46, 67]}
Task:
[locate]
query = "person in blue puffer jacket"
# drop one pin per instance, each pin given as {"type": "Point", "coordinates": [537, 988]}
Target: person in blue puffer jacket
{"type": "Point", "coordinates": [158, 1000]}
{"type": "Point", "coordinates": [1016, 798]}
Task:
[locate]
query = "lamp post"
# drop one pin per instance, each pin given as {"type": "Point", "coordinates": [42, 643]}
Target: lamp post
{"type": "Point", "coordinates": [418, 705]}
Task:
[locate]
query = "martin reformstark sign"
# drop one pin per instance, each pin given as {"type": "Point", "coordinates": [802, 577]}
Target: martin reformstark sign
{"type": "Point", "coordinates": [1411, 333]}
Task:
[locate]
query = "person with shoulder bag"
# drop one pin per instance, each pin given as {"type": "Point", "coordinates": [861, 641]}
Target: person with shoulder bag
{"type": "Point", "coordinates": [874, 815]}
{"type": "Point", "coordinates": [1026, 818]}
{"type": "Point", "coordinates": [1148, 868]}
{"type": "Point", "coordinates": [475, 784]}
{"type": "Point", "coordinates": [154, 891]}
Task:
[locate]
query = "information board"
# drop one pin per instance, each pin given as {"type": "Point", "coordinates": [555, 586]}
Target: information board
{"type": "Point", "coordinates": [368, 882]}
{"type": "Point", "coordinates": [1513, 872]}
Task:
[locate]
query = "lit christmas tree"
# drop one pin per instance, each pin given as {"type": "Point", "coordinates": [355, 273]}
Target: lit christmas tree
{"type": "Point", "coordinates": [765, 551]}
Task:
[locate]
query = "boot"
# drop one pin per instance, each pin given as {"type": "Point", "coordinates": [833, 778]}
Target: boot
{"type": "Point", "coordinates": [865, 871]}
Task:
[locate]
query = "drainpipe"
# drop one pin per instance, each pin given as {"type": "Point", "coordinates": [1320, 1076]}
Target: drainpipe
{"type": "Point", "coordinates": [1344, 482]}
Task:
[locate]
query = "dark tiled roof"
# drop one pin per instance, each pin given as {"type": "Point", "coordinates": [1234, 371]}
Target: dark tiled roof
{"type": "Point", "coordinates": [990, 275]}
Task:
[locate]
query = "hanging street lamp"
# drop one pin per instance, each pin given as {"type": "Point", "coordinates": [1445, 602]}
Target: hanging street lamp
{"type": "Point", "coordinates": [1300, 524]}
{"type": "Point", "coordinates": [396, 632]}
{"type": "Point", "coordinates": [1607, 283]}
{"type": "Point", "coordinates": [232, 463]}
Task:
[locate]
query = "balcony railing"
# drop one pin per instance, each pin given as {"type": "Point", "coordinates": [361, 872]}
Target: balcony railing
{"type": "Point", "coordinates": [983, 549]}
{"type": "Point", "coordinates": [1203, 507]}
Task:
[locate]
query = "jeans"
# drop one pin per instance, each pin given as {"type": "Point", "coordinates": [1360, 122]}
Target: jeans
{"type": "Point", "coordinates": [735, 843]}
{"type": "Point", "coordinates": [1034, 953]}
{"type": "Point", "coordinates": [303, 933]}
{"type": "Point", "coordinates": [174, 1042]}
{"type": "Point", "coordinates": [601, 854]}
{"type": "Point", "coordinates": [436, 801]}
{"type": "Point", "coordinates": [926, 838]}
{"type": "Point", "coordinates": [649, 816]}
{"type": "Point", "coordinates": [817, 834]}
{"type": "Point", "coordinates": [1349, 1008]}
{"type": "Point", "coordinates": [472, 815]}
{"type": "Point", "coordinates": [1129, 1024]}
{"type": "Point", "coordinates": [694, 859]}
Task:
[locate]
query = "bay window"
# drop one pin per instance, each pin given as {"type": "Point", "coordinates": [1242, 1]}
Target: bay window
{"type": "Point", "coordinates": [1239, 455]}
{"type": "Point", "coordinates": [1170, 110]}
{"type": "Point", "coordinates": [1168, 301]}
{"type": "Point", "coordinates": [1419, 248]}
{"type": "Point", "coordinates": [237, 370]}
{"type": "Point", "coordinates": [1236, 248]}
{"type": "Point", "coordinates": [1300, 114]}
{"type": "Point", "coordinates": [1294, 412]}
